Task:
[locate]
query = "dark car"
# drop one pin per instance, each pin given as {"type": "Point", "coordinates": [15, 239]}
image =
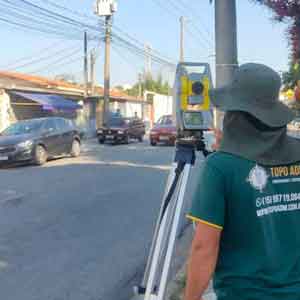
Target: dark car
{"type": "Point", "coordinates": [164, 131]}
{"type": "Point", "coordinates": [121, 130]}
{"type": "Point", "coordinates": [38, 140]}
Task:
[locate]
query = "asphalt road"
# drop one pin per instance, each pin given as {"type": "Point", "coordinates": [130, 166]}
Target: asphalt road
{"type": "Point", "coordinates": [80, 228]}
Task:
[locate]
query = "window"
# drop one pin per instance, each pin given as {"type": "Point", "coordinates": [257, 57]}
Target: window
{"type": "Point", "coordinates": [51, 125]}
{"type": "Point", "coordinates": [168, 120]}
{"type": "Point", "coordinates": [160, 120]}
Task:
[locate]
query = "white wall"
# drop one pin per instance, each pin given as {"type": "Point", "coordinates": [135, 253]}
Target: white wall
{"type": "Point", "coordinates": [4, 110]}
{"type": "Point", "coordinates": [132, 108]}
{"type": "Point", "coordinates": [127, 109]}
{"type": "Point", "coordinates": [163, 105]}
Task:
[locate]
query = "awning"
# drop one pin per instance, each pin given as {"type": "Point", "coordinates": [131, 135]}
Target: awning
{"type": "Point", "coordinates": [50, 101]}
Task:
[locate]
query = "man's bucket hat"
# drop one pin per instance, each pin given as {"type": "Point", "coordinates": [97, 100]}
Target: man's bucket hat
{"type": "Point", "coordinates": [254, 89]}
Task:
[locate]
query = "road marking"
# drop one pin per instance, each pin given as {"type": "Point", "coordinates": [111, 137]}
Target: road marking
{"type": "Point", "coordinates": [83, 161]}
{"type": "Point", "coordinates": [10, 196]}
{"type": "Point", "coordinates": [3, 265]}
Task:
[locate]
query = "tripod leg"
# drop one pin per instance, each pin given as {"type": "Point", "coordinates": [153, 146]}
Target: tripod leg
{"type": "Point", "coordinates": [168, 185]}
{"type": "Point", "coordinates": [156, 256]}
{"type": "Point", "coordinates": [172, 238]}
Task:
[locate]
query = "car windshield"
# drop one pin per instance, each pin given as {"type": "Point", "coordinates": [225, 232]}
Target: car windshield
{"type": "Point", "coordinates": [116, 122]}
{"type": "Point", "coordinates": [168, 121]}
{"type": "Point", "coordinates": [25, 127]}
{"type": "Point", "coordinates": [165, 120]}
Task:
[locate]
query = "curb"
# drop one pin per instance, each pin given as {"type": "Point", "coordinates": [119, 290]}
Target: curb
{"type": "Point", "coordinates": [176, 288]}
{"type": "Point", "coordinates": [176, 285]}
{"type": "Point", "coordinates": [177, 270]}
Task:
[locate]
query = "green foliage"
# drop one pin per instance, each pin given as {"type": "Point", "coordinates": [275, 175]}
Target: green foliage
{"type": "Point", "coordinates": [152, 85]}
{"type": "Point", "coordinates": [119, 87]}
{"type": "Point", "coordinates": [290, 78]}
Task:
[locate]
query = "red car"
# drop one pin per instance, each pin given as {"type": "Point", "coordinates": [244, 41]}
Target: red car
{"type": "Point", "coordinates": [164, 131]}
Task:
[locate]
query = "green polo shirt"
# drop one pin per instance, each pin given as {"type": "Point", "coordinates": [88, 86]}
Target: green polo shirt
{"type": "Point", "coordinates": [258, 210]}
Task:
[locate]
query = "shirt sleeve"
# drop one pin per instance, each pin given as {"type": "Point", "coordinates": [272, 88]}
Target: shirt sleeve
{"type": "Point", "coordinates": [208, 205]}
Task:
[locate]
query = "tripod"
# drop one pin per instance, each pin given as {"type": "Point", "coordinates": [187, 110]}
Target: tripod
{"type": "Point", "coordinates": [155, 278]}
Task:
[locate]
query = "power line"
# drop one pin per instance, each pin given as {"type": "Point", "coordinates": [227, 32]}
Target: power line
{"type": "Point", "coordinates": [191, 10]}
{"type": "Point", "coordinates": [176, 11]}
{"type": "Point", "coordinates": [141, 52]}
{"type": "Point", "coordinates": [58, 61]}
{"type": "Point", "coordinates": [36, 54]}
{"type": "Point", "coordinates": [183, 8]}
{"type": "Point", "coordinates": [121, 55]}
{"type": "Point", "coordinates": [55, 54]}
{"type": "Point", "coordinates": [56, 19]}
{"type": "Point", "coordinates": [73, 12]}
{"type": "Point", "coordinates": [18, 14]}
{"type": "Point", "coordinates": [32, 28]}
{"type": "Point", "coordinates": [54, 4]}
{"type": "Point", "coordinates": [60, 19]}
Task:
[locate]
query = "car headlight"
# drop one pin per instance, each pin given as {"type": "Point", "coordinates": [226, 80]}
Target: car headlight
{"type": "Point", "coordinates": [120, 131]}
{"type": "Point", "coordinates": [25, 145]}
{"type": "Point", "coordinates": [100, 131]}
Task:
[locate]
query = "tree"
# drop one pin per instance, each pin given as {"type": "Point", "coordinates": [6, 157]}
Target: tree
{"type": "Point", "coordinates": [288, 10]}
{"type": "Point", "coordinates": [152, 85]}
{"type": "Point", "coordinates": [119, 88]}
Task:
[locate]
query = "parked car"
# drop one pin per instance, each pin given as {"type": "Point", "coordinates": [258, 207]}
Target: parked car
{"type": "Point", "coordinates": [121, 130]}
{"type": "Point", "coordinates": [164, 131]}
{"type": "Point", "coordinates": [38, 140]}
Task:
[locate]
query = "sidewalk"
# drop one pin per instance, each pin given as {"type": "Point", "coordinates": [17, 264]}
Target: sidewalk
{"type": "Point", "coordinates": [175, 288]}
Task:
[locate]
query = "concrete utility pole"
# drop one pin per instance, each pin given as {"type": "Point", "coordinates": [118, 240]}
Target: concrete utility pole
{"type": "Point", "coordinates": [92, 70]}
{"type": "Point", "coordinates": [107, 69]}
{"type": "Point", "coordinates": [140, 84]}
{"type": "Point", "coordinates": [226, 44]}
{"type": "Point", "coordinates": [106, 8]}
{"type": "Point", "coordinates": [141, 94]}
{"type": "Point", "coordinates": [182, 23]}
{"type": "Point", "coordinates": [148, 61]}
{"type": "Point", "coordinates": [85, 68]}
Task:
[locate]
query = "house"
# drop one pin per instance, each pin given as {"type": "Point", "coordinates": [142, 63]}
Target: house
{"type": "Point", "coordinates": [24, 96]}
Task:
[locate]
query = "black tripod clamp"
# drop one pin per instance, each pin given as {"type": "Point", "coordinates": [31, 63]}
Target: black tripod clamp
{"type": "Point", "coordinates": [185, 154]}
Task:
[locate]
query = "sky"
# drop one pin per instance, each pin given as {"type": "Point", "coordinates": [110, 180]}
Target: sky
{"type": "Point", "coordinates": [153, 22]}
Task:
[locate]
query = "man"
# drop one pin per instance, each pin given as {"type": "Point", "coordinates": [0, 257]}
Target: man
{"type": "Point", "coordinates": [247, 203]}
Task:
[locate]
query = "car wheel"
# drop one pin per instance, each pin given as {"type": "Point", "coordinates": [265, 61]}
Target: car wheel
{"type": "Point", "coordinates": [101, 141]}
{"type": "Point", "coordinates": [40, 155]}
{"type": "Point", "coordinates": [141, 138]}
{"type": "Point", "coordinates": [75, 150]}
{"type": "Point", "coordinates": [153, 143]}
